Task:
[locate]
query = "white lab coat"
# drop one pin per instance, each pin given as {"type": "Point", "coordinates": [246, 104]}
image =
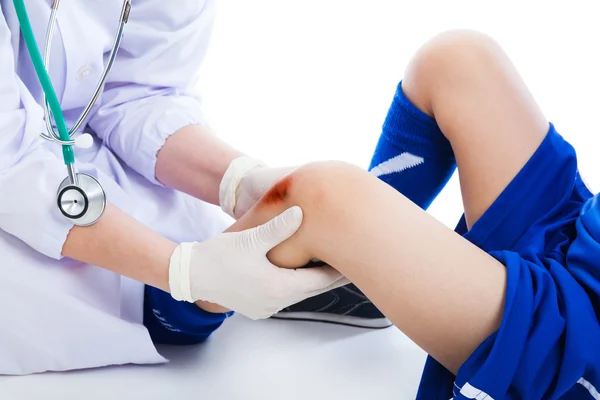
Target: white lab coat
{"type": "Point", "coordinates": [58, 314]}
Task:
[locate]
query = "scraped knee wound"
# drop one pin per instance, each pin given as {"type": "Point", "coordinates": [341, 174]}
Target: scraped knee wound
{"type": "Point", "coordinates": [278, 193]}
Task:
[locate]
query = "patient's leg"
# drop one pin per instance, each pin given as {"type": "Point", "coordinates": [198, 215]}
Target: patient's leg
{"type": "Point", "coordinates": [423, 276]}
{"type": "Point", "coordinates": [420, 274]}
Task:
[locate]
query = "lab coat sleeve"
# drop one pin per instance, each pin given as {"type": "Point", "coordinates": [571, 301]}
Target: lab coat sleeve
{"type": "Point", "coordinates": [150, 92]}
{"type": "Point", "coordinates": [29, 172]}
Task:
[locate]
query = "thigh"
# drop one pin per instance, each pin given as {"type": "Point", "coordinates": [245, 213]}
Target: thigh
{"type": "Point", "coordinates": [482, 106]}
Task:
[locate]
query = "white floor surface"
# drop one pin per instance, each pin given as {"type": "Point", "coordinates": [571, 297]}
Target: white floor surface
{"type": "Point", "coordinates": [251, 360]}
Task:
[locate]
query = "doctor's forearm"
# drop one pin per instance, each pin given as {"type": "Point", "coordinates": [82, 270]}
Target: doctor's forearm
{"type": "Point", "coordinates": [119, 243]}
{"type": "Point", "coordinates": [193, 161]}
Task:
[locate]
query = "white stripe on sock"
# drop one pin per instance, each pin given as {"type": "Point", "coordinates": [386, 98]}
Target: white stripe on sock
{"type": "Point", "coordinates": [399, 163]}
{"type": "Point", "coordinates": [593, 391]}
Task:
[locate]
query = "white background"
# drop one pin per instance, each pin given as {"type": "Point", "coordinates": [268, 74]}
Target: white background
{"type": "Point", "coordinates": [298, 81]}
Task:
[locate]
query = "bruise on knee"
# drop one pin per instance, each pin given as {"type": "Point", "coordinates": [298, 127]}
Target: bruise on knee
{"type": "Point", "coordinates": [287, 254]}
{"type": "Point", "coordinates": [278, 192]}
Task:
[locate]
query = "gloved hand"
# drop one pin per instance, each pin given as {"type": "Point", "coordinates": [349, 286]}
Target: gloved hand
{"type": "Point", "coordinates": [232, 270]}
{"type": "Point", "coordinates": [244, 183]}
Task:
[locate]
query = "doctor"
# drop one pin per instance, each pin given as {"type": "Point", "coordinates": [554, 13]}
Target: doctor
{"type": "Point", "coordinates": [87, 296]}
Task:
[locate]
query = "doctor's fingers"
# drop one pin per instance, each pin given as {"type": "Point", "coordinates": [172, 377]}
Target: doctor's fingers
{"type": "Point", "coordinates": [277, 230]}
{"type": "Point", "coordinates": [302, 283]}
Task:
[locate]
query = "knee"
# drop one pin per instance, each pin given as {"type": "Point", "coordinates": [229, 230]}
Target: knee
{"type": "Point", "coordinates": [317, 187]}
{"type": "Point", "coordinates": [455, 57]}
{"type": "Point", "coordinates": [319, 183]}
{"type": "Point", "coordinates": [314, 187]}
{"type": "Point", "coordinates": [453, 54]}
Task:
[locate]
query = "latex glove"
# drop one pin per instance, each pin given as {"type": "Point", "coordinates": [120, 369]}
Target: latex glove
{"type": "Point", "coordinates": [245, 182]}
{"type": "Point", "coordinates": [232, 270]}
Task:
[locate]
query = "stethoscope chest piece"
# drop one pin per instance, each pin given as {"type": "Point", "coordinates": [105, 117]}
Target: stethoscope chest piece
{"type": "Point", "coordinates": [82, 204]}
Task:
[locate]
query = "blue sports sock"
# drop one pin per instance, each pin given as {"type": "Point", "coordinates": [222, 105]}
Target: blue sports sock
{"type": "Point", "coordinates": [177, 322]}
{"type": "Point", "coordinates": [412, 154]}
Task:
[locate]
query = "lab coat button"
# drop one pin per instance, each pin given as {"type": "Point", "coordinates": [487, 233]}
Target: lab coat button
{"type": "Point", "coordinates": [84, 72]}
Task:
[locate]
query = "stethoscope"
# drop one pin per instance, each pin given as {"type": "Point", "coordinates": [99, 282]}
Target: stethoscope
{"type": "Point", "coordinates": [80, 197]}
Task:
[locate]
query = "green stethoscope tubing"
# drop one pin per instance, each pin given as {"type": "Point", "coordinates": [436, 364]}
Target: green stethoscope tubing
{"type": "Point", "coordinates": [44, 79]}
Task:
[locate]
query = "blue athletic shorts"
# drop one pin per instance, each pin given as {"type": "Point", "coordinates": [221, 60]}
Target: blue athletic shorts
{"type": "Point", "coordinates": [545, 228]}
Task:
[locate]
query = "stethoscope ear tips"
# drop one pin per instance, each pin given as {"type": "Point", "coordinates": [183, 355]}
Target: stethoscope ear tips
{"type": "Point", "coordinates": [84, 141]}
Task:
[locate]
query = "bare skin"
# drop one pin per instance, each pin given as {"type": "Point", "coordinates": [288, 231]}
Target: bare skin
{"type": "Point", "coordinates": [193, 160]}
{"type": "Point", "coordinates": [469, 85]}
{"type": "Point", "coordinates": [421, 274]}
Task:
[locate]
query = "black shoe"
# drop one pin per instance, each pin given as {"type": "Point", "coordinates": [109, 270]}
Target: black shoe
{"type": "Point", "coordinates": [346, 306]}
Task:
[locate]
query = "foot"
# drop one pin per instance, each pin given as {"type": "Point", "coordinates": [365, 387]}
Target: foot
{"type": "Point", "coordinates": [345, 306]}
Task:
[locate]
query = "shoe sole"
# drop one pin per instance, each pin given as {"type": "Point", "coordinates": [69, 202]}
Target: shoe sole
{"type": "Point", "coordinates": [369, 323]}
